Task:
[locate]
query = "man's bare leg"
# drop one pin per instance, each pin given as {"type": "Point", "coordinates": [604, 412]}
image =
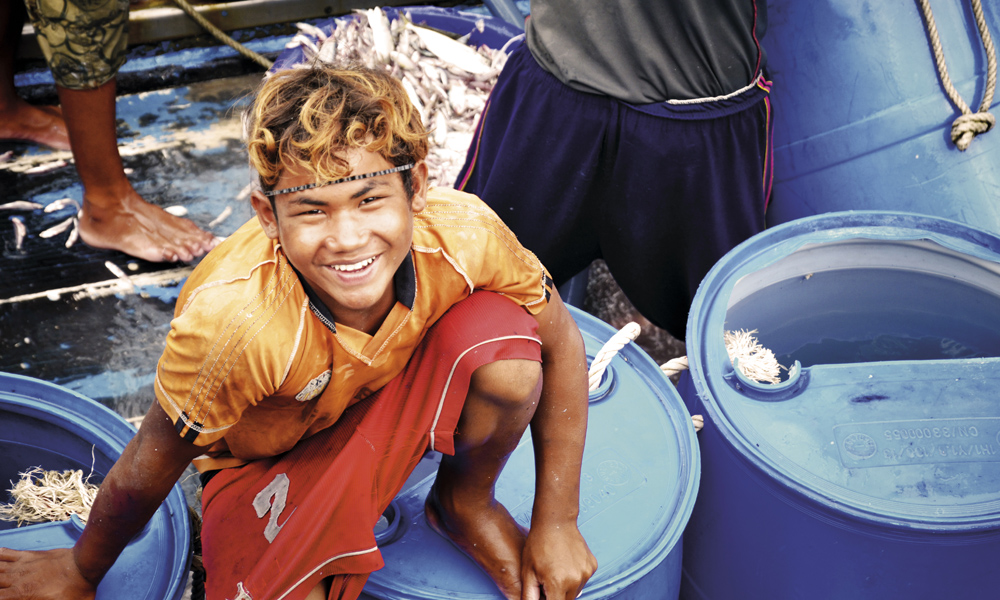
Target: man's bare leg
{"type": "Point", "coordinates": [321, 591]}
{"type": "Point", "coordinates": [114, 215]}
{"type": "Point", "coordinates": [18, 119]}
{"type": "Point", "coordinates": [461, 505]}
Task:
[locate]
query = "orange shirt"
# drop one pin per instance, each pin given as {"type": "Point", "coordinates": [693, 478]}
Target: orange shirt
{"type": "Point", "coordinates": [254, 362]}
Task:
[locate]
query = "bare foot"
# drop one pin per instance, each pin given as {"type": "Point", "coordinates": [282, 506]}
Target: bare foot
{"type": "Point", "coordinates": [39, 124]}
{"type": "Point", "coordinates": [140, 229]}
{"type": "Point", "coordinates": [488, 535]}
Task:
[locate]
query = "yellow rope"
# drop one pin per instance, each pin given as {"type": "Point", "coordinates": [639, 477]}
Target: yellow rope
{"type": "Point", "coordinates": [222, 36]}
{"type": "Point", "coordinates": [968, 125]}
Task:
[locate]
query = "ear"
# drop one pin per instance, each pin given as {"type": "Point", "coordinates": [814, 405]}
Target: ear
{"type": "Point", "coordinates": [419, 201]}
{"type": "Point", "coordinates": [265, 214]}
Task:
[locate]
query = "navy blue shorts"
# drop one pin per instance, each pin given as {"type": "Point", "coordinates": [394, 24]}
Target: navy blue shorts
{"type": "Point", "coordinates": [659, 191]}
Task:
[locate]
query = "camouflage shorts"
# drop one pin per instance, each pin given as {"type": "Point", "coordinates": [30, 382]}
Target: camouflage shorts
{"type": "Point", "coordinates": [84, 41]}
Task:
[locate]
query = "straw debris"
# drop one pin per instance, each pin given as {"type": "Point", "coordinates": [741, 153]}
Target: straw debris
{"type": "Point", "coordinates": [755, 361]}
{"type": "Point", "coordinates": [43, 496]}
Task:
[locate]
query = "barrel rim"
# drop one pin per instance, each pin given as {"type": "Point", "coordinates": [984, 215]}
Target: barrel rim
{"type": "Point", "coordinates": [708, 311]}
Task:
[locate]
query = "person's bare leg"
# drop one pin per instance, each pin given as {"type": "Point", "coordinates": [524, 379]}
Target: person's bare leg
{"type": "Point", "coordinates": [20, 120]}
{"type": "Point", "coordinates": [114, 215]}
{"type": "Point", "coordinates": [321, 591]}
{"type": "Point", "coordinates": [461, 505]}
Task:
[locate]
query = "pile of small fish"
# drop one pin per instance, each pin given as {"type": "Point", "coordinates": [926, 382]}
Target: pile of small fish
{"type": "Point", "coordinates": [21, 231]}
{"type": "Point", "coordinates": [446, 79]}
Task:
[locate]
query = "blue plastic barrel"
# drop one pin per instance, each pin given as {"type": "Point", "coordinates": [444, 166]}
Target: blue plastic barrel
{"type": "Point", "coordinates": [873, 469]}
{"type": "Point", "coordinates": [638, 486]}
{"type": "Point", "coordinates": [48, 426]}
{"type": "Point", "coordinates": [862, 121]}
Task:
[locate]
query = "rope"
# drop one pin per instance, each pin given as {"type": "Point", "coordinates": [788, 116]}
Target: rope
{"type": "Point", "coordinates": [197, 564]}
{"type": "Point", "coordinates": [608, 352]}
{"type": "Point", "coordinates": [968, 125]}
{"type": "Point", "coordinates": [675, 366]}
{"type": "Point", "coordinates": [617, 342]}
{"type": "Point", "coordinates": [222, 36]}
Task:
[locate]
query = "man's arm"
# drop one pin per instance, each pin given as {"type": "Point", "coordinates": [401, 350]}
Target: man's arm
{"type": "Point", "coordinates": [556, 557]}
{"type": "Point", "coordinates": [134, 488]}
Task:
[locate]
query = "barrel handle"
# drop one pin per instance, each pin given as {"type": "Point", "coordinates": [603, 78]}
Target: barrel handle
{"type": "Point", "coordinates": [610, 349]}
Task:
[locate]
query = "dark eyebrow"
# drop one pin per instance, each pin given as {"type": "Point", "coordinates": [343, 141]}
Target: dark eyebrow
{"type": "Point", "coordinates": [306, 200]}
{"type": "Point", "coordinates": [368, 187]}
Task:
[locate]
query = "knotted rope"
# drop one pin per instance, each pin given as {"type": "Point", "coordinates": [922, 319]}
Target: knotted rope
{"type": "Point", "coordinates": [968, 125]}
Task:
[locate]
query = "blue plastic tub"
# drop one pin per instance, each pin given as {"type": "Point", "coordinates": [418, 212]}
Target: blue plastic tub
{"type": "Point", "coordinates": [48, 426]}
{"type": "Point", "coordinates": [638, 486]}
{"type": "Point", "coordinates": [861, 118]}
{"type": "Point", "coordinates": [873, 469]}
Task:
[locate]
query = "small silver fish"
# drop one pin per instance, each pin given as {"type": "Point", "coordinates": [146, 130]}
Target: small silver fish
{"type": "Point", "coordinates": [222, 217]}
{"type": "Point", "coordinates": [45, 167]}
{"type": "Point", "coordinates": [61, 204]}
{"type": "Point", "coordinates": [117, 271]}
{"type": "Point", "coordinates": [312, 30]}
{"type": "Point", "coordinates": [20, 232]}
{"type": "Point", "coordinates": [57, 229]}
{"type": "Point", "coordinates": [21, 205]}
{"type": "Point", "coordinates": [245, 192]}
{"type": "Point", "coordinates": [74, 234]}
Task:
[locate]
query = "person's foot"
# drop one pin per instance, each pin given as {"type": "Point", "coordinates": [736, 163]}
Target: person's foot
{"type": "Point", "coordinates": [489, 535]}
{"type": "Point", "coordinates": [39, 124]}
{"type": "Point", "coordinates": [142, 230]}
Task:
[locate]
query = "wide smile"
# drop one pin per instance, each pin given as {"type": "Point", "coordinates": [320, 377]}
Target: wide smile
{"type": "Point", "coordinates": [354, 267]}
{"type": "Point", "coordinates": [355, 273]}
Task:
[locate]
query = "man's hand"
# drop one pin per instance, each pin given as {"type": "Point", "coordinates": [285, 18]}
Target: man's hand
{"type": "Point", "coordinates": [49, 575]}
{"type": "Point", "coordinates": [556, 563]}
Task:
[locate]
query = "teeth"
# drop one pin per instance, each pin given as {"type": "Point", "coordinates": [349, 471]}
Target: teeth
{"type": "Point", "coordinates": [355, 266]}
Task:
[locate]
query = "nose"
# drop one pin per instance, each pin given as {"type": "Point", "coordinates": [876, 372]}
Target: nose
{"type": "Point", "coordinates": [347, 232]}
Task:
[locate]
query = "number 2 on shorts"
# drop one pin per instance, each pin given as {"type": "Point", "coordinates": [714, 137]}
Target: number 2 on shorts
{"type": "Point", "coordinates": [278, 490]}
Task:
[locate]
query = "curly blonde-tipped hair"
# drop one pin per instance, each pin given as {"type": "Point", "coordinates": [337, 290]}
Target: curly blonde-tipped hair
{"type": "Point", "coordinates": [306, 118]}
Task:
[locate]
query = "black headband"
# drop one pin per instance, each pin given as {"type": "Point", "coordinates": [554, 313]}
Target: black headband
{"type": "Point", "coordinates": [344, 180]}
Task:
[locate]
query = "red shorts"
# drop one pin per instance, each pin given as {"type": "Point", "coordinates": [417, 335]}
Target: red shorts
{"type": "Point", "coordinates": [274, 528]}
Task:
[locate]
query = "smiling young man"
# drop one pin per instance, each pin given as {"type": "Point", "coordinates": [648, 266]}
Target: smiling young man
{"type": "Point", "coordinates": [316, 355]}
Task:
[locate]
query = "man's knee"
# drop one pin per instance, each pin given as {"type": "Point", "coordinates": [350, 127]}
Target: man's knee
{"type": "Point", "coordinates": [511, 383]}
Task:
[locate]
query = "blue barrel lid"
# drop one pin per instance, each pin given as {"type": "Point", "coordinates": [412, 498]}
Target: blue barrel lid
{"type": "Point", "coordinates": [640, 475]}
{"type": "Point", "coordinates": [909, 444]}
{"type": "Point", "coordinates": [49, 426]}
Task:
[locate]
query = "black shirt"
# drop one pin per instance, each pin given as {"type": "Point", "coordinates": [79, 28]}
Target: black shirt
{"type": "Point", "coordinates": [643, 51]}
